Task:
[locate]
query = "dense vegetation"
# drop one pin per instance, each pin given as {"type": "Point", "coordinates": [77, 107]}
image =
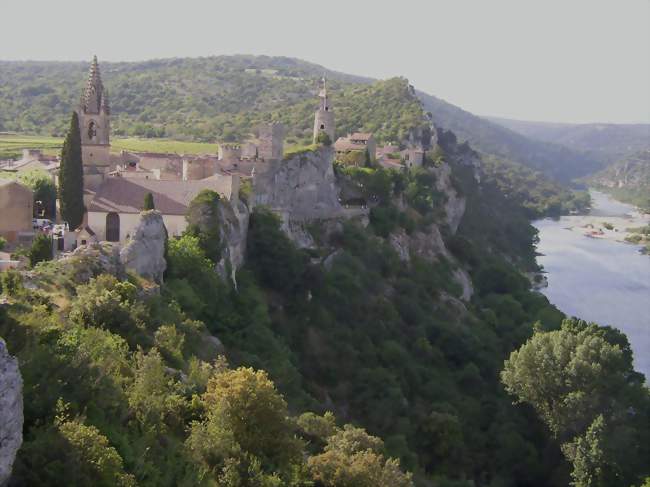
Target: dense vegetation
{"type": "Point", "coordinates": [581, 382]}
{"type": "Point", "coordinates": [124, 386]}
{"type": "Point", "coordinates": [207, 99]}
{"type": "Point", "coordinates": [533, 191]}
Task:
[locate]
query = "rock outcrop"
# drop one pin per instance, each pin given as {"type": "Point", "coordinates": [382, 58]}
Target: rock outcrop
{"type": "Point", "coordinates": [145, 252]}
{"type": "Point", "coordinates": [89, 261]}
{"type": "Point", "coordinates": [455, 204]}
{"type": "Point", "coordinates": [302, 187]}
{"type": "Point", "coordinates": [234, 218]}
{"type": "Point", "coordinates": [11, 411]}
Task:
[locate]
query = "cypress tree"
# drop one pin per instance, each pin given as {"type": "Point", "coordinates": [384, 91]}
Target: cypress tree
{"type": "Point", "coordinates": [71, 182]}
{"type": "Point", "coordinates": [148, 202]}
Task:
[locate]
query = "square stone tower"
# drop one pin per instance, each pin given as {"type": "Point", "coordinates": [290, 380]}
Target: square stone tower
{"type": "Point", "coordinates": [94, 122]}
{"type": "Point", "coordinates": [324, 116]}
{"type": "Point", "coordinates": [271, 142]}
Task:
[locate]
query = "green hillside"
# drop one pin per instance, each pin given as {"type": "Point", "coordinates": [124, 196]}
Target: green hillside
{"type": "Point", "coordinates": [627, 180]}
{"type": "Point", "coordinates": [605, 142]}
{"type": "Point", "coordinates": [205, 99]}
{"type": "Point", "coordinates": [555, 161]}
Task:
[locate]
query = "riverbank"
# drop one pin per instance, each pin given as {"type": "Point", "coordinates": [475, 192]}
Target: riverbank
{"type": "Point", "coordinates": [608, 220]}
{"type": "Point", "coordinates": [601, 279]}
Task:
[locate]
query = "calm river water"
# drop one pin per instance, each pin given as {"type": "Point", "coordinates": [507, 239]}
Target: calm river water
{"type": "Point", "coordinates": [600, 279]}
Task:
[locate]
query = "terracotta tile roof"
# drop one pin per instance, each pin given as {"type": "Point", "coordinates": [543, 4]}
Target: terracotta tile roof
{"type": "Point", "coordinates": [360, 136]}
{"type": "Point", "coordinates": [126, 195]}
{"type": "Point", "coordinates": [344, 144]}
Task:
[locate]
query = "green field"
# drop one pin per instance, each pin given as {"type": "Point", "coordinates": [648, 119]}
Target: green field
{"type": "Point", "coordinates": [11, 145]}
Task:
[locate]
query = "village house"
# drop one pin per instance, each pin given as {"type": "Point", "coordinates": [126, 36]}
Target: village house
{"type": "Point", "coordinates": [17, 211]}
{"type": "Point", "coordinates": [32, 159]}
{"type": "Point", "coordinates": [358, 142]}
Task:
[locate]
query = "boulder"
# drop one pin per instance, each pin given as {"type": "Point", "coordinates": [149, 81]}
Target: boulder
{"type": "Point", "coordinates": [11, 411]}
{"type": "Point", "coordinates": [145, 252]}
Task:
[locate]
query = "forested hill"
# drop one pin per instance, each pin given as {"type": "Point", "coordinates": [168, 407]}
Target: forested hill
{"type": "Point", "coordinates": [210, 99]}
{"type": "Point", "coordinates": [222, 98]}
{"type": "Point", "coordinates": [627, 179]}
{"type": "Point", "coordinates": [555, 161]}
{"type": "Point", "coordinates": [605, 142]}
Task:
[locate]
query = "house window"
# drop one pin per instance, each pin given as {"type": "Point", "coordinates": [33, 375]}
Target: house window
{"type": "Point", "coordinates": [322, 126]}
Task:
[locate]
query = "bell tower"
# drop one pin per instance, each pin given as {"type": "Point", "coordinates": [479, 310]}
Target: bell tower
{"type": "Point", "coordinates": [324, 117]}
{"type": "Point", "coordinates": [94, 122]}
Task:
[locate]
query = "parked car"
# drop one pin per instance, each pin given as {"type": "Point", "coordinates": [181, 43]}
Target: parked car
{"type": "Point", "coordinates": [42, 223]}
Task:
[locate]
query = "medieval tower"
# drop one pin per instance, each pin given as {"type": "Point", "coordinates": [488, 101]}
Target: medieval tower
{"type": "Point", "coordinates": [324, 117]}
{"type": "Point", "coordinates": [94, 124]}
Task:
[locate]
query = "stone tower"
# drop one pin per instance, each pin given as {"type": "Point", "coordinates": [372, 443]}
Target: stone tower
{"type": "Point", "coordinates": [94, 123]}
{"type": "Point", "coordinates": [324, 117]}
{"type": "Point", "coordinates": [271, 142]}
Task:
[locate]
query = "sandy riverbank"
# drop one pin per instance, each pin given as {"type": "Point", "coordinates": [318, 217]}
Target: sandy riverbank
{"type": "Point", "coordinates": [605, 227]}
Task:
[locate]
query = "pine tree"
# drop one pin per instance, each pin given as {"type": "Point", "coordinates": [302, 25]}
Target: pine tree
{"type": "Point", "coordinates": [71, 188]}
{"type": "Point", "coordinates": [148, 202]}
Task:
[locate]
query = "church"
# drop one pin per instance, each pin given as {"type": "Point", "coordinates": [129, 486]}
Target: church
{"type": "Point", "coordinates": [114, 201]}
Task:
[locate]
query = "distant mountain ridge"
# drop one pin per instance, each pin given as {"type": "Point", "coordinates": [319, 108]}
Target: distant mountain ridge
{"type": "Point", "coordinates": [555, 161]}
{"type": "Point", "coordinates": [605, 142]}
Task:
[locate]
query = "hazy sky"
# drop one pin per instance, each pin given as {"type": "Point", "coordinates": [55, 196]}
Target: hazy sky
{"type": "Point", "coordinates": [554, 60]}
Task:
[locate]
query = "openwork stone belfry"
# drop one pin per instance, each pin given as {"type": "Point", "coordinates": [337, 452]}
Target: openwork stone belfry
{"type": "Point", "coordinates": [94, 122]}
{"type": "Point", "coordinates": [324, 117]}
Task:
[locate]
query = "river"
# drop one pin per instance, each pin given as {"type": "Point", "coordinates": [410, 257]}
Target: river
{"type": "Point", "coordinates": [600, 278]}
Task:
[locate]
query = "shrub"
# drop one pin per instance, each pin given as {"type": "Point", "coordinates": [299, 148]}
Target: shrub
{"type": "Point", "coordinates": [41, 249]}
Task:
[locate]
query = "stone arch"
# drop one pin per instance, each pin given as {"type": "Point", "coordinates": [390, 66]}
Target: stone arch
{"type": "Point", "coordinates": [113, 227]}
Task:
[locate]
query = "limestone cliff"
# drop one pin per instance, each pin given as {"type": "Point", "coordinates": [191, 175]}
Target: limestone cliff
{"type": "Point", "coordinates": [145, 252]}
{"type": "Point", "coordinates": [455, 204]}
{"type": "Point", "coordinates": [233, 231]}
{"type": "Point", "coordinates": [11, 411]}
{"type": "Point", "coordinates": [302, 187]}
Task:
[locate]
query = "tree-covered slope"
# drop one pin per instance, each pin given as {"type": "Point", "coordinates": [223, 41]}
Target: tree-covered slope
{"type": "Point", "coordinates": [605, 142]}
{"type": "Point", "coordinates": [628, 179]}
{"type": "Point", "coordinates": [216, 98]}
{"type": "Point", "coordinates": [555, 161]}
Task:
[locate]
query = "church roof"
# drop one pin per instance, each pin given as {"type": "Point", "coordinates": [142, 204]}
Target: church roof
{"type": "Point", "coordinates": [126, 195]}
{"type": "Point", "coordinates": [94, 97]}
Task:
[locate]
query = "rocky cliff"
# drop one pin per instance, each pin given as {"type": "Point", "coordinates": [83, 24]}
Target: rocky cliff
{"type": "Point", "coordinates": [11, 411]}
{"type": "Point", "coordinates": [302, 187]}
{"type": "Point", "coordinates": [145, 252]}
{"type": "Point", "coordinates": [234, 218]}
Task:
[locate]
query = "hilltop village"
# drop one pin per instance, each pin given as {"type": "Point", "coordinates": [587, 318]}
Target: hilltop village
{"type": "Point", "coordinates": [115, 184]}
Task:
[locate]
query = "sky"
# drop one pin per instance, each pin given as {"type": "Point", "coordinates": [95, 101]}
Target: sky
{"type": "Point", "coordinates": [547, 60]}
